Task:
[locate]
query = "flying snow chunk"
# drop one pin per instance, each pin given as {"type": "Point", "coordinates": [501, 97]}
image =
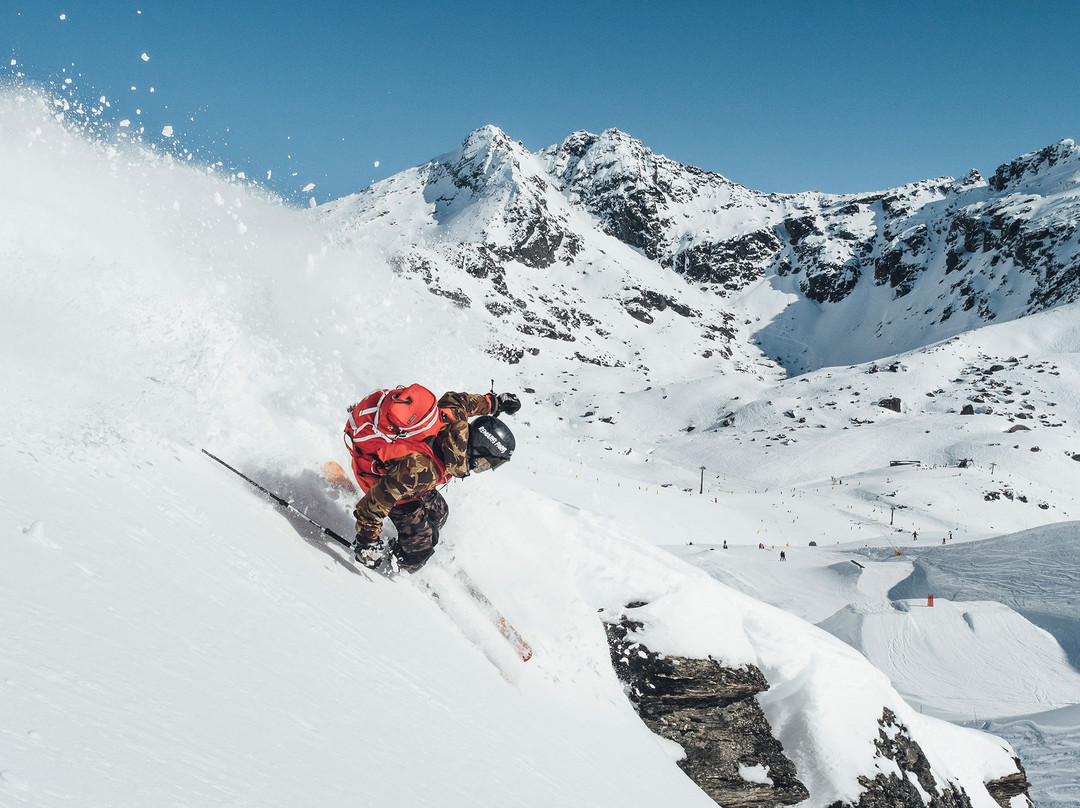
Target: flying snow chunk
{"type": "Point", "coordinates": [124, 124]}
{"type": "Point", "coordinates": [145, 58]}
{"type": "Point", "coordinates": [13, 63]}
{"type": "Point", "coordinates": [312, 203]}
{"type": "Point", "coordinates": [63, 16]}
{"type": "Point", "coordinates": [167, 131]}
{"type": "Point", "coordinates": [376, 164]}
{"type": "Point", "coordinates": [309, 187]}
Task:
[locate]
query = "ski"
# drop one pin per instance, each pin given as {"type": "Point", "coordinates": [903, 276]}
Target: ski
{"type": "Point", "coordinates": [337, 478]}
{"type": "Point", "coordinates": [474, 595]}
{"type": "Point", "coordinates": [511, 634]}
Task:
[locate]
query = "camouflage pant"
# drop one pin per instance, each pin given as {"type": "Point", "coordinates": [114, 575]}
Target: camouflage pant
{"type": "Point", "coordinates": [418, 524]}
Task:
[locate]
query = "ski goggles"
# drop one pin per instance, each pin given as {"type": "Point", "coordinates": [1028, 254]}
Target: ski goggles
{"type": "Point", "coordinates": [482, 464]}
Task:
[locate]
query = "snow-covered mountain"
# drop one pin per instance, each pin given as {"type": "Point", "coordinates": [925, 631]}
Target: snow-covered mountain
{"type": "Point", "coordinates": [833, 279]}
{"type": "Point", "coordinates": [169, 637]}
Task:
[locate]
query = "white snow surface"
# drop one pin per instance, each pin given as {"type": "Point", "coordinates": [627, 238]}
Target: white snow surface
{"type": "Point", "coordinates": [169, 637]}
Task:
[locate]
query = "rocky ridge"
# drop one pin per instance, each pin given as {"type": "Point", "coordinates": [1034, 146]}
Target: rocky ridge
{"type": "Point", "coordinates": [899, 268]}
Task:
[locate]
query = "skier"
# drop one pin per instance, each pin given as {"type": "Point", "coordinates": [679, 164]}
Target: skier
{"type": "Point", "coordinates": [404, 445]}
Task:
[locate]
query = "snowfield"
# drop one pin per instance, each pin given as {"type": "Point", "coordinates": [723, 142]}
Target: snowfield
{"type": "Point", "coordinates": [169, 637]}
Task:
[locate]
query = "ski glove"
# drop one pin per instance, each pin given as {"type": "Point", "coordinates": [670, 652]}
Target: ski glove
{"type": "Point", "coordinates": [506, 402]}
{"type": "Point", "coordinates": [369, 552]}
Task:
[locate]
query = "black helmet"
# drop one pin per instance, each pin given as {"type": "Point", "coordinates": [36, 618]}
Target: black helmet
{"type": "Point", "coordinates": [491, 443]}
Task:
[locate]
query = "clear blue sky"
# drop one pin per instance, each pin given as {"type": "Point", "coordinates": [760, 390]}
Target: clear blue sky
{"type": "Point", "coordinates": [779, 96]}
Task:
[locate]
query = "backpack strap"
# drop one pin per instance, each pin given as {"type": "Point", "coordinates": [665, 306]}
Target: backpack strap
{"type": "Point", "coordinates": [353, 428]}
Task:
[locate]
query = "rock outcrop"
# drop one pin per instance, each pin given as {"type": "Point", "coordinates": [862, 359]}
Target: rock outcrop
{"type": "Point", "coordinates": [1003, 789]}
{"type": "Point", "coordinates": [730, 752]}
{"type": "Point", "coordinates": [711, 712]}
{"type": "Point", "coordinates": [915, 786]}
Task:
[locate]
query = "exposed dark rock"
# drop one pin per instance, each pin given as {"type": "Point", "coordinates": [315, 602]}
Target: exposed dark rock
{"type": "Point", "coordinates": [901, 264]}
{"type": "Point", "coordinates": [1005, 788]}
{"type": "Point", "coordinates": [893, 368]}
{"type": "Point", "coordinates": [890, 404]}
{"type": "Point", "coordinates": [648, 301]}
{"type": "Point", "coordinates": [732, 264]}
{"type": "Point", "coordinates": [969, 409]}
{"type": "Point", "coordinates": [536, 238]}
{"type": "Point", "coordinates": [895, 743]}
{"type": "Point", "coordinates": [458, 297]}
{"type": "Point", "coordinates": [831, 283]}
{"type": "Point", "coordinates": [506, 353]}
{"type": "Point", "coordinates": [711, 712]}
{"type": "Point", "coordinates": [1015, 171]}
{"type": "Point", "coordinates": [799, 228]}
{"type": "Point", "coordinates": [594, 360]}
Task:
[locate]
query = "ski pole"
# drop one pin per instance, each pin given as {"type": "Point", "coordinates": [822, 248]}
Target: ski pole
{"type": "Point", "coordinates": [282, 502]}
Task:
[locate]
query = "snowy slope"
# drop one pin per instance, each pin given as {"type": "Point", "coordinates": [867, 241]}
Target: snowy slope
{"type": "Point", "coordinates": [992, 651]}
{"type": "Point", "coordinates": [170, 640]}
{"type": "Point", "coordinates": [169, 637]}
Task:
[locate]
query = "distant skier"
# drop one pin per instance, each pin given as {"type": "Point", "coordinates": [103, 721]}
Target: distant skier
{"type": "Point", "coordinates": [725, 544]}
{"type": "Point", "coordinates": [783, 556]}
{"type": "Point", "coordinates": [404, 445]}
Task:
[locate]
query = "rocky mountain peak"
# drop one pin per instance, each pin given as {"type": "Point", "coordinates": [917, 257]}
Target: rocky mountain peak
{"type": "Point", "coordinates": [631, 190]}
{"type": "Point", "coordinates": [588, 165]}
{"type": "Point", "coordinates": [486, 156]}
{"type": "Point", "coordinates": [1061, 160]}
{"type": "Point", "coordinates": [973, 179]}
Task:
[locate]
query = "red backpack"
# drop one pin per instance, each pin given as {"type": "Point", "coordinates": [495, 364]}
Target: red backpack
{"type": "Point", "coordinates": [392, 423]}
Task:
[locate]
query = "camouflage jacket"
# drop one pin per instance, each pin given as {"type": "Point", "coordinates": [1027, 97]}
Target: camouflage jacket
{"type": "Point", "coordinates": [415, 474]}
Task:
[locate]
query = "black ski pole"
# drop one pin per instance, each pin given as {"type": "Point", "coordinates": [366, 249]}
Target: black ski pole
{"type": "Point", "coordinates": [282, 502]}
